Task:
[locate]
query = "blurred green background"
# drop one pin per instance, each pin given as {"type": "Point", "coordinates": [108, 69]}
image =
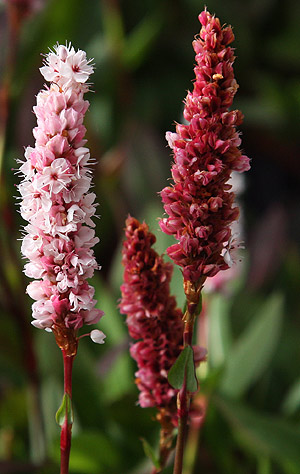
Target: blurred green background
{"type": "Point", "coordinates": [144, 66]}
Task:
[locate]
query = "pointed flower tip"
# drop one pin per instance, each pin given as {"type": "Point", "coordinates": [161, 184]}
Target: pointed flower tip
{"type": "Point", "coordinates": [203, 17]}
{"type": "Point", "coordinates": [97, 336]}
{"type": "Point", "coordinates": [66, 67]}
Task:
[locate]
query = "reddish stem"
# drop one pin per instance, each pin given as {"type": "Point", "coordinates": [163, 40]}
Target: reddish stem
{"type": "Point", "coordinates": [183, 413]}
{"type": "Point", "coordinates": [66, 429]}
{"type": "Point", "coordinates": [183, 398]}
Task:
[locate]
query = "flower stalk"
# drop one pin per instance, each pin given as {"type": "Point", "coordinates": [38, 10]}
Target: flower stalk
{"type": "Point", "coordinates": [193, 297]}
{"type": "Point", "coordinates": [66, 428]}
{"type": "Point", "coordinates": [200, 203]}
{"type": "Point", "coordinates": [58, 206]}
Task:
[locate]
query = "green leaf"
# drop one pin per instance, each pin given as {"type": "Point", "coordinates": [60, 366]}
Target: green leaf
{"type": "Point", "coordinates": [265, 434]}
{"type": "Point", "coordinates": [199, 305]}
{"type": "Point", "coordinates": [140, 40]}
{"type": "Point", "coordinates": [219, 336]}
{"type": "Point", "coordinates": [149, 451]}
{"type": "Point", "coordinates": [291, 403]}
{"type": "Point", "coordinates": [264, 465]}
{"type": "Point", "coordinates": [254, 349]}
{"type": "Point", "coordinates": [177, 372]}
{"type": "Point", "coordinates": [191, 380]}
{"type": "Point", "coordinates": [65, 410]}
{"type": "Point", "coordinates": [184, 365]}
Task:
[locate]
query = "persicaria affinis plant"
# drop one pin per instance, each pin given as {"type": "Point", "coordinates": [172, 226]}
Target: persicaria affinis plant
{"type": "Point", "coordinates": [58, 206]}
{"type": "Point", "coordinates": [200, 203]}
{"type": "Point", "coordinates": [154, 321]}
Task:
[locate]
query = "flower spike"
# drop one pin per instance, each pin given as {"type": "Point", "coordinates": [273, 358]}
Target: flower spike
{"type": "Point", "coordinates": [200, 204]}
{"type": "Point", "coordinates": [152, 316]}
{"type": "Point", "coordinates": [57, 203]}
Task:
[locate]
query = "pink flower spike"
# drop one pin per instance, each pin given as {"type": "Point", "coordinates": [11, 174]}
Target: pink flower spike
{"type": "Point", "coordinates": [57, 203]}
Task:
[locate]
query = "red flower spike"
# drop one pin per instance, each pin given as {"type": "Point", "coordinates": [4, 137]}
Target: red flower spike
{"type": "Point", "coordinates": [152, 318]}
{"type": "Point", "coordinates": [200, 205]}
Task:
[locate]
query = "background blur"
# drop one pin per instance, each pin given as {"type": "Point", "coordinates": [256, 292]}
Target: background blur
{"type": "Point", "coordinates": [144, 66]}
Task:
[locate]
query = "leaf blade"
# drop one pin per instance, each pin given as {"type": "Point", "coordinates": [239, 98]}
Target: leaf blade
{"type": "Point", "coordinates": [65, 411]}
{"type": "Point", "coordinates": [184, 366]}
{"type": "Point", "coordinates": [252, 352]}
{"type": "Point", "coordinates": [177, 372]}
{"type": "Point", "coordinates": [191, 379]}
{"type": "Point", "coordinates": [149, 451]}
{"type": "Point", "coordinates": [264, 433]}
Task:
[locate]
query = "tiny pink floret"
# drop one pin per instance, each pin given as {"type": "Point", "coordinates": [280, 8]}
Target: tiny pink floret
{"type": "Point", "coordinates": [55, 199]}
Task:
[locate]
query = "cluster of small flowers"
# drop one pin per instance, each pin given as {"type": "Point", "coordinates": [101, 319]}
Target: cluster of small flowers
{"type": "Point", "coordinates": [55, 198]}
{"type": "Point", "coordinates": [222, 281]}
{"type": "Point", "coordinates": [200, 204]}
{"type": "Point", "coordinates": [67, 68]}
{"type": "Point", "coordinates": [152, 316]}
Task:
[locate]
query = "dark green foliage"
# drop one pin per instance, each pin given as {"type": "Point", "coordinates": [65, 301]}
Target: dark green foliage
{"type": "Point", "coordinates": [183, 368]}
